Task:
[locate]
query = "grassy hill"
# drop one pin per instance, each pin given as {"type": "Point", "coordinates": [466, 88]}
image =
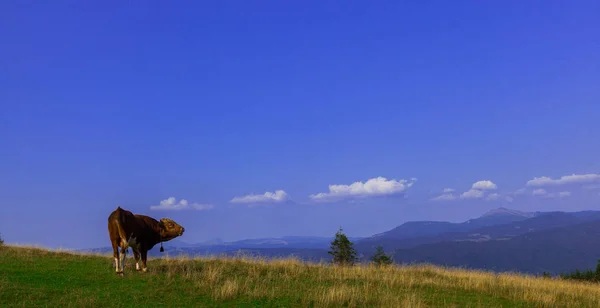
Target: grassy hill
{"type": "Point", "coordinates": [31, 277]}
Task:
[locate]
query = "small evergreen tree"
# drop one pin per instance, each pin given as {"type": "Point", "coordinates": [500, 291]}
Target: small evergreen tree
{"type": "Point", "coordinates": [380, 258]}
{"type": "Point", "coordinates": [546, 275]}
{"type": "Point", "coordinates": [342, 250]}
{"type": "Point", "coordinates": [1, 240]}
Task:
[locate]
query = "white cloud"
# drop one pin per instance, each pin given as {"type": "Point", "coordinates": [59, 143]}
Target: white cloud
{"type": "Point", "coordinates": [444, 197]}
{"type": "Point", "coordinates": [484, 185]}
{"type": "Point", "coordinates": [201, 207]}
{"type": "Point", "coordinates": [520, 191]}
{"type": "Point", "coordinates": [509, 199]}
{"type": "Point", "coordinates": [592, 186]}
{"type": "Point", "coordinates": [448, 190]}
{"type": "Point", "coordinates": [564, 193]}
{"type": "Point", "coordinates": [268, 197]}
{"type": "Point", "coordinates": [472, 194]}
{"type": "Point", "coordinates": [542, 192]}
{"type": "Point", "coordinates": [172, 204]}
{"type": "Point", "coordinates": [567, 179]}
{"type": "Point", "coordinates": [477, 190]}
{"type": "Point", "coordinates": [494, 196]}
{"type": "Point", "coordinates": [379, 186]}
{"type": "Point", "coordinates": [561, 194]}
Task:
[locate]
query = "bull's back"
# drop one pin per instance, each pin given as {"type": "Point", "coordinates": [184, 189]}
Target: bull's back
{"type": "Point", "coordinates": [117, 223]}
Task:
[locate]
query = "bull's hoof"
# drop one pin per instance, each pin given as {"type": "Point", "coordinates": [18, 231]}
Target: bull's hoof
{"type": "Point", "coordinates": [120, 274]}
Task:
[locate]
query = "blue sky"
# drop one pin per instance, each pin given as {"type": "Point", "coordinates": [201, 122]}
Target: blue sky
{"type": "Point", "coordinates": [109, 103]}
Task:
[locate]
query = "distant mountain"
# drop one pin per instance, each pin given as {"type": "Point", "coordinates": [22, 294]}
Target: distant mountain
{"type": "Point", "coordinates": [555, 250]}
{"type": "Point", "coordinates": [312, 242]}
{"type": "Point", "coordinates": [431, 229]}
{"type": "Point", "coordinates": [539, 222]}
{"type": "Point", "coordinates": [179, 243]}
{"type": "Point", "coordinates": [287, 241]}
{"type": "Point", "coordinates": [215, 241]}
{"type": "Point", "coordinates": [501, 232]}
{"type": "Point", "coordinates": [507, 212]}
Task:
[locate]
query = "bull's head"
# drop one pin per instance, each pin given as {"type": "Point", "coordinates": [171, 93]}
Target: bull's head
{"type": "Point", "coordinates": [169, 229]}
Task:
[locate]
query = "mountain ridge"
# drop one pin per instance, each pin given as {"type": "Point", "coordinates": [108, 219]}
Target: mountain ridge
{"type": "Point", "coordinates": [554, 250]}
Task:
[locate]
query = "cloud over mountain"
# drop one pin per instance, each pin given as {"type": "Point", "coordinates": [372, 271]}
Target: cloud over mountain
{"type": "Point", "coordinates": [484, 185]}
{"type": "Point", "coordinates": [472, 194]}
{"type": "Point", "coordinates": [567, 179]}
{"type": "Point", "coordinates": [444, 197]}
{"type": "Point", "coordinates": [543, 193]}
{"type": "Point", "coordinates": [493, 197]}
{"type": "Point", "coordinates": [560, 194]}
{"type": "Point", "coordinates": [520, 191]}
{"type": "Point", "coordinates": [172, 204]}
{"type": "Point", "coordinates": [379, 186]}
{"type": "Point", "coordinates": [478, 190]}
{"type": "Point", "coordinates": [268, 197]}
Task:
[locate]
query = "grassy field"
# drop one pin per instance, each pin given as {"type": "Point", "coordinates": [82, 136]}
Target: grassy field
{"type": "Point", "coordinates": [31, 277]}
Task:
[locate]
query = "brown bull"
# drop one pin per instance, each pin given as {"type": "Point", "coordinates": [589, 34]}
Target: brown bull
{"type": "Point", "coordinates": [139, 232]}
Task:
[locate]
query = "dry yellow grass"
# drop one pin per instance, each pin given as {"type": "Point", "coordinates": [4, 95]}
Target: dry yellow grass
{"type": "Point", "coordinates": [368, 285]}
{"type": "Point", "coordinates": [290, 282]}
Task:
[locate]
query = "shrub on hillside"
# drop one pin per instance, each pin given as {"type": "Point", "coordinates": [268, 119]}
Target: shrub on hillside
{"type": "Point", "coordinates": [546, 275]}
{"type": "Point", "coordinates": [1, 240]}
{"type": "Point", "coordinates": [588, 275]}
{"type": "Point", "coordinates": [381, 258]}
{"type": "Point", "coordinates": [342, 250]}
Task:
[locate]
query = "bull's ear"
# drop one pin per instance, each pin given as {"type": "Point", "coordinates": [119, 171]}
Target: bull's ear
{"type": "Point", "coordinates": [161, 224]}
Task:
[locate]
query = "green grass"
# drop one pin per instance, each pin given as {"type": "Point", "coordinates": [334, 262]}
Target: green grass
{"type": "Point", "coordinates": [40, 278]}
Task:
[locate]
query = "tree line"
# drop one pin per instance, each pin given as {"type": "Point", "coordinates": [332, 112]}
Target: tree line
{"type": "Point", "coordinates": [344, 254]}
{"type": "Point", "coordinates": [587, 275]}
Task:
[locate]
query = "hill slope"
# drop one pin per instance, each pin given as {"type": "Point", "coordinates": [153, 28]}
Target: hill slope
{"type": "Point", "coordinates": [551, 242]}
{"type": "Point", "coordinates": [431, 229]}
{"type": "Point", "coordinates": [555, 250]}
{"type": "Point", "coordinates": [540, 222]}
{"type": "Point", "coordinates": [33, 277]}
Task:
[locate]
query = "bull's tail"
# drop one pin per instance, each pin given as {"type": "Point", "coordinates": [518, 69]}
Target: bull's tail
{"type": "Point", "coordinates": [120, 221]}
{"type": "Point", "coordinates": [116, 221]}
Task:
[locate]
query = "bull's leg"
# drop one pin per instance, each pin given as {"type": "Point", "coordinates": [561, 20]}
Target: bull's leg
{"type": "Point", "coordinates": [118, 268]}
{"type": "Point", "coordinates": [144, 252]}
{"type": "Point", "coordinates": [122, 256]}
{"type": "Point", "coordinates": [136, 255]}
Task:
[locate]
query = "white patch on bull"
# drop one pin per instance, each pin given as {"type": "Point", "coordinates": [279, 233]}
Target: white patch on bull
{"type": "Point", "coordinates": [137, 265]}
{"type": "Point", "coordinates": [117, 265]}
{"type": "Point", "coordinates": [122, 260]}
{"type": "Point", "coordinates": [131, 242]}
